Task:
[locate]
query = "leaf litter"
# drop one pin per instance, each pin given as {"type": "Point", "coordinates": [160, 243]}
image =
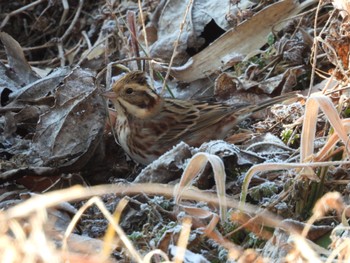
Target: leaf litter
{"type": "Point", "coordinates": [54, 128]}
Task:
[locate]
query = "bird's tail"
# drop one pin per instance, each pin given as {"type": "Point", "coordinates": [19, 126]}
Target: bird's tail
{"type": "Point", "coordinates": [248, 110]}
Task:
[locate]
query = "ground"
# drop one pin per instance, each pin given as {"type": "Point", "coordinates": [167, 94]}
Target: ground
{"type": "Point", "coordinates": [70, 192]}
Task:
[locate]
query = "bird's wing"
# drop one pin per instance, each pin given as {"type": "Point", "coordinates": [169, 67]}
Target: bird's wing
{"type": "Point", "coordinates": [180, 119]}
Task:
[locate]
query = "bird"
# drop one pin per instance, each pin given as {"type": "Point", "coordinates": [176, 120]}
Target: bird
{"type": "Point", "coordinates": [148, 125]}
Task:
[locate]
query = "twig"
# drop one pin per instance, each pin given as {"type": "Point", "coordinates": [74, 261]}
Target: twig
{"type": "Point", "coordinates": [46, 45]}
{"type": "Point", "coordinates": [65, 11]}
{"type": "Point", "coordinates": [75, 19]}
{"type": "Point", "coordinates": [176, 44]}
{"type": "Point", "coordinates": [118, 62]}
{"type": "Point", "coordinates": [130, 17]}
{"type": "Point", "coordinates": [19, 10]}
{"type": "Point", "coordinates": [68, 31]}
{"type": "Point", "coordinates": [145, 37]}
{"type": "Point", "coordinates": [61, 54]}
{"type": "Point", "coordinates": [87, 40]}
{"type": "Point", "coordinates": [92, 48]}
{"type": "Point", "coordinates": [315, 48]}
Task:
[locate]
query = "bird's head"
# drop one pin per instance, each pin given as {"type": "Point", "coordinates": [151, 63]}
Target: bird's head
{"type": "Point", "coordinates": [133, 95]}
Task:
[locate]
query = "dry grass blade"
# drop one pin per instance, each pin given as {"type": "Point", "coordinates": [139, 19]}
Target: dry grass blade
{"type": "Point", "coordinates": [340, 252]}
{"type": "Point", "coordinates": [332, 140]}
{"type": "Point", "coordinates": [183, 240]}
{"type": "Point", "coordinates": [113, 223]}
{"type": "Point", "coordinates": [24, 246]}
{"type": "Point", "coordinates": [201, 213]}
{"type": "Point", "coordinates": [54, 198]}
{"type": "Point", "coordinates": [280, 166]}
{"type": "Point", "coordinates": [255, 169]}
{"type": "Point", "coordinates": [310, 120]}
{"type": "Point", "coordinates": [110, 233]}
{"type": "Point", "coordinates": [303, 249]}
{"type": "Point", "coordinates": [330, 201]}
{"type": "Point", "coordinates": [309, 129]}
{"type": "Point", "coordinates": [251, 224]}
{"type": "Point", "coordinates": [51, 199]}
{"type": "Point", "coordinates": [195, 166]}
{"type": "Point", "coordinates": [148, 257]}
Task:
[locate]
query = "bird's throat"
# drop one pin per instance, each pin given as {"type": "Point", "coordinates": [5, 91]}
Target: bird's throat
{"type": "Point", "coordinates": [141, 112]}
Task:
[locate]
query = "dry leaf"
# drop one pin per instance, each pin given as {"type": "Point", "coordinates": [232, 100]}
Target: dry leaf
{"type": "Point", "coordinates": [169, 16]}
{"type": "Point", "coordinates": [237, 43]}
{"type": "Point", "coordinates": [16, 59]}
{"type": "Point", "coordinates": [167, 167]}
{"type": "Point", "coordinates": [72, 129]}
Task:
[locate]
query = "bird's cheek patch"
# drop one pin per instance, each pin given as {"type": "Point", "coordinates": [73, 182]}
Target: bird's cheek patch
{"type": "Point", "coordinates": [136, 111]}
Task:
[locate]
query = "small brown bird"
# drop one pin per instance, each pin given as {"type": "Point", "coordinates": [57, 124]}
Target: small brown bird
{"type": "Point", "coordinates": [148, 125]}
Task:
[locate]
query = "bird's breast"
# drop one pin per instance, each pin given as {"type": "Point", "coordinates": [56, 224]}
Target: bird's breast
{"type": "Point", "coordinates": [123, 131]}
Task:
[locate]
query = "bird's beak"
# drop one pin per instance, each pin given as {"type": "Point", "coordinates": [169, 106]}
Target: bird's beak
{"type": "Point", "coordinates": [109, 94]}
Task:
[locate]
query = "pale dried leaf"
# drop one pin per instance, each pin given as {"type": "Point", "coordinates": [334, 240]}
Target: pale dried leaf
{"type": "Point", "coordinates": [168, 24]}
{"type": "Point", "coordinates": [16, 59]}
{"type": "Point", "coordinates": [235, 44]}
{"type": "Point", "coordinates": [343, 7]}
{"type": "Point", "coordinates": [196, 166]}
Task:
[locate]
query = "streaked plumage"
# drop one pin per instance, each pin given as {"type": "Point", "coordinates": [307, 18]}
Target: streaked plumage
{"type": "Point", "coordinates": [148, 125]}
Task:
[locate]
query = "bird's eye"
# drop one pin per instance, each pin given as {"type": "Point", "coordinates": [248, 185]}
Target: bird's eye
{"type": "Point", "coordinates": [129, 91]}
